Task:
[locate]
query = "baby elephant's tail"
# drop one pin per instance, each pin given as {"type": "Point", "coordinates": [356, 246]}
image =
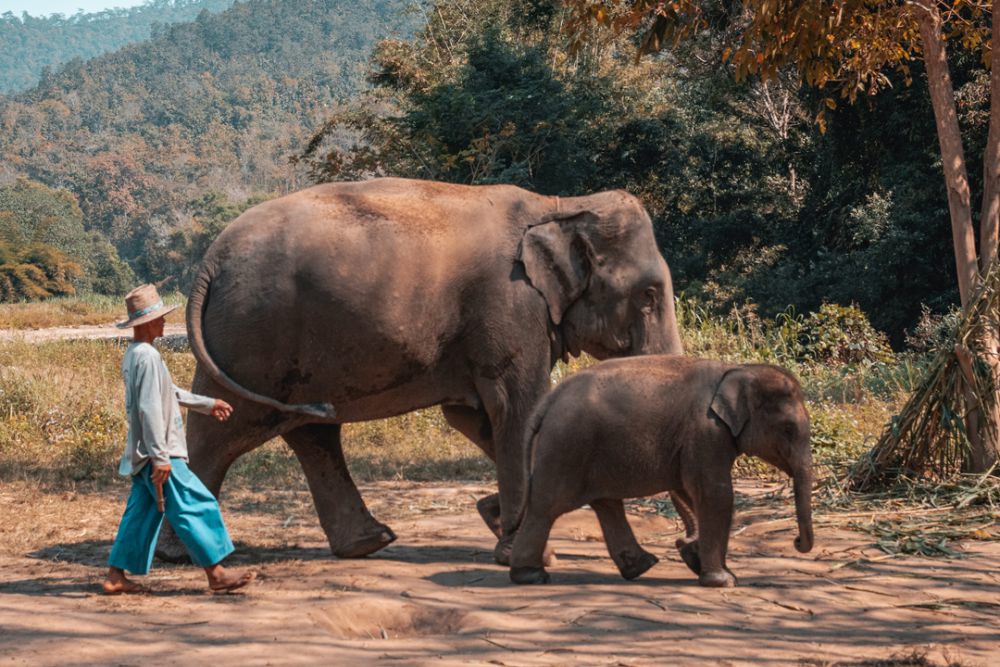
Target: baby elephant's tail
{"type": "Point", "coordinates": [534, 425]}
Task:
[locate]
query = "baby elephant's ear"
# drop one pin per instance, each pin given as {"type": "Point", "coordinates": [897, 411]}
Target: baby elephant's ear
{"type": "Point", "coordinates": [731, 401]}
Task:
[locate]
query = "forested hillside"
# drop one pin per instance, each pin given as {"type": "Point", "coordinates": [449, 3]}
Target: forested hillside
{"type": "Point", "coordinates": [160, 138]}
{"type": "Point", "coordinates": [752, 203]}
{"type": "Point", "coordinates": [28, 44]}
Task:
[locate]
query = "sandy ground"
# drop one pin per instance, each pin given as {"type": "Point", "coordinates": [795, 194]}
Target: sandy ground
{"type": "Point", "coordinates": [435, 597]}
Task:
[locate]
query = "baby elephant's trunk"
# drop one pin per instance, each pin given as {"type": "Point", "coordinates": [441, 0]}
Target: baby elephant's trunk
{"type": "Point", "coordinates": [803, 506]}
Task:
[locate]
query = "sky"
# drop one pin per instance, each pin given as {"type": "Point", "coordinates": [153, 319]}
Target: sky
{"type": "Point", "coordinates": [46, 7]}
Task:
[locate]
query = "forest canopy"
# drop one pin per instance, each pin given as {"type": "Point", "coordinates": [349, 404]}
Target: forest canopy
{"type": "Point", "coordinates": [30, 44]}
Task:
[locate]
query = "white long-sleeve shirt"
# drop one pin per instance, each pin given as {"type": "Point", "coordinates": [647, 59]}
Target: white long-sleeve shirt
{"type": "Point", "coordinates": [152, 403]}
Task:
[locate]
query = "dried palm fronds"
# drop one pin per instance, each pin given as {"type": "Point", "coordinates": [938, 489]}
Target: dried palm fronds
{"type": "Point", "coordinates": [928, 439]}
{"type": "Point", "coordinates": [925, 517]}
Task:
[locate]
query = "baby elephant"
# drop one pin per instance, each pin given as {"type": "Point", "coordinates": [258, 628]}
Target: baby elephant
{"type": "Point", "coordinates": [643, 425]}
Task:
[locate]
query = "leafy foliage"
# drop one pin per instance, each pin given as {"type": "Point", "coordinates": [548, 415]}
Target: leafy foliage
{"type": "Point", "coordinates": [850, 46]}
{"type": "Point", "coordinates": [842, 334]}
{"type": "Point", "coordinates": [33, 44]}
{"type": "Point", "coordinates": [495, 106]}
{"type": "Point", "coordinates": [47, 224]}
{"type": "Point", "coordinates": [180, 256]}
{"type": "Point", "coordinates": [34, 272]}
{"type": "Point", "coordinates": [32, 213]}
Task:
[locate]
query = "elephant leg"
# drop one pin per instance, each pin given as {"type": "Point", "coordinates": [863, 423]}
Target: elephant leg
{"type": "Point", "coordinates": [527, 558]}
{"type": "Point", "coordinates": [349, 526]}
{"type": "Point", "coordinates": [687, 545]}
{"type": "Point", "coordinates": [475, 425]}
{"type": "Point", "coordinates": [715, 518]}
{"type": "Point", "coordinates": [508, 401]}
{"type": "Point", "coordinates": [632, 560]}
{"type": "Point", "coordinates": [508, 418]}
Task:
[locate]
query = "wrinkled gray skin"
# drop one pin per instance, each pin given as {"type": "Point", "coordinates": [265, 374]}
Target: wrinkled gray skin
{"type": "Point", "coordinates": [355, 301]}
{"type": "Point", "coordinates": [635, 427]}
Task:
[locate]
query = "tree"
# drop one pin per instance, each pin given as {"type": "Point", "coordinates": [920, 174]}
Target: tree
{"type": "Point", "coordinates": [37, 271]}
{"type": "Point", "coordinates": [42, 227]}
{"type": "Point", "coordinates": [846, 48]}
{"type": "Point", "coordinates": [32, 213]}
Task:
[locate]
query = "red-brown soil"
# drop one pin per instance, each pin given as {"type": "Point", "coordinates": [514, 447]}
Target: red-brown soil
{"type": "Point", "coordinates": [436, 598]}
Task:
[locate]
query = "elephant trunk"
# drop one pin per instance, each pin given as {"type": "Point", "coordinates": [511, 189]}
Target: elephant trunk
{"type": "Point", "coordinates": [802, 481]}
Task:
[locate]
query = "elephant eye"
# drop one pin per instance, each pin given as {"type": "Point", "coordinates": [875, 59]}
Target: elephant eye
{"type": "Point", "coordinates": [650, 299]}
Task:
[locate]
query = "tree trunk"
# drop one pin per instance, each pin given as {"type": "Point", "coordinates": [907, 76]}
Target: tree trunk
{"type": "Point", "coordinates": [990, 219]}
{"type": "Point", "coordinates": [986, 451]}
{"type": "Point", "coordinates": [983, 450]}
{"type": "Point", "coordinates": [952, 156]}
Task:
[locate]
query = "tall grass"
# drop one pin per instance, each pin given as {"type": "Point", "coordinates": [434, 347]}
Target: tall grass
{"type": "Point", "coordinates": [62, 407]}
{"type": "Point", "coordinates": [62, 419]}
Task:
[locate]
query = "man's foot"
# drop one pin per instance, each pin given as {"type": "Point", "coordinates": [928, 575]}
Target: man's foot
{"type": "Point", "coordinates": [118, 584]}
{"type": "Point", "coordinates": [221, 580]}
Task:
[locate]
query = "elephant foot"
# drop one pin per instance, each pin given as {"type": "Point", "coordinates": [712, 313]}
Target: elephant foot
{"type": "Point", "coordinates": [633, 567]}
{"type": "Point", "coordinates": [380, 536]}
{"type": "Point", "coordinates": [489, 510]}
{"type": "Point", "coordinates": [689, 554]}
{"type": "Point", "coordinates": [529, 575]}
{"type": "Point", "coordinates": [503, 549]}
{"type": "Point", "coordinates": [170, 549]}
{"type": "Point", "coordinates": [717, 579]}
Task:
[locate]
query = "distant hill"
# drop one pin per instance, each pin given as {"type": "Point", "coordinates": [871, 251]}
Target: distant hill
{"type": "Point", "coordinates": [28, 44]}
{"type": "Point", "coordinates": [217, 105]}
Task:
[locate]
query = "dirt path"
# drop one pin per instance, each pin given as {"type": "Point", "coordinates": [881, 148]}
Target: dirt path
{"type": "Point", "coordinates": [85, 331]}
{"type": "Point", "coordinates": [435, 597]}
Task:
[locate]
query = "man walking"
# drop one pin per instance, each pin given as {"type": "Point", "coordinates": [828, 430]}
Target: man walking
{"type": "Point", "coordinates": [156, 459]}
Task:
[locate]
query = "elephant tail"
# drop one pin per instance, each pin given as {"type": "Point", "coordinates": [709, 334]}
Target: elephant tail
{"type": "Point", "coordinates": [197, 304]}
{"type": "Point", "coordinates": [534, 425]}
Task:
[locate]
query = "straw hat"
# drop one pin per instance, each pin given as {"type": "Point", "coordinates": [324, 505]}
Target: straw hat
{"type": "Point", "coordinates": [144, 305]}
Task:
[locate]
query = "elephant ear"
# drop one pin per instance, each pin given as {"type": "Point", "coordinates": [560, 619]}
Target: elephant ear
{"type": "Point", "coordinates": [557, 258]}
{"type": "Point", "coordinates": [732, 401]}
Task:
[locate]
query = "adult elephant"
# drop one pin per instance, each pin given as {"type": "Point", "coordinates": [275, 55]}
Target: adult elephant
{"type": "Point", "coordinates": [347, 302]}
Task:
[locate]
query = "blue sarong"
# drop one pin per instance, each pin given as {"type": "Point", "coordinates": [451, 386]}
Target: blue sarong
{"type": "Point", "coordinates": [191, 509]}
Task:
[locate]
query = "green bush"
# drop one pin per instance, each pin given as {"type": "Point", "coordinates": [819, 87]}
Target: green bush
{"type": "Point", "coordinates": [842, 335]}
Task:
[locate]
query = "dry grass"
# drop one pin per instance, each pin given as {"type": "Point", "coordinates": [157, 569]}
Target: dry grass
{"type": "Point", "coordinates": [61, 421]}
{"type": "Point", "coordinates": [73, 311]}
{"type": "Point", "coordinates": [61, 410]}
{"type": "Point", "coordinates": [919, 517]}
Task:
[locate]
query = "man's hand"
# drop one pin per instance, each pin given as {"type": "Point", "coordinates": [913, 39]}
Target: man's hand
{"type": "Point", "coordinates": [221, 410]}
{"type": "Point", "coordinates": [160, 473]}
